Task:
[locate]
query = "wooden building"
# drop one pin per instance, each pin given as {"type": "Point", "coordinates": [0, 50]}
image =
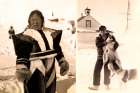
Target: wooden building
{"type": "Point", "coordinates": [86, 22]}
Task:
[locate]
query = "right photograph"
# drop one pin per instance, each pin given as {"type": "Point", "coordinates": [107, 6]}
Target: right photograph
{"type": "Point", "coordinates": [107, 46]}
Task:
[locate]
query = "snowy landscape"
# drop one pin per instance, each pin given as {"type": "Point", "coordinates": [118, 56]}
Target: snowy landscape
{"type": "Point", "coordinates": [123, 18]}
{"type": "Point", "coordinates": [128, 52]}
{"type": "Point", "coordinates": [113, 14]}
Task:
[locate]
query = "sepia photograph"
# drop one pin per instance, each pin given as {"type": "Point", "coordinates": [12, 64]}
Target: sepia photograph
{"type": "Point", "coordinates": [69, 46]}
{"type": "Point", "coordinates": [108, 46]}
{"type": "Point", "coordinates": [38, 46]}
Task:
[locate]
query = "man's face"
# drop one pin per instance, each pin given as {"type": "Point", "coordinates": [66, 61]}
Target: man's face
{"type": "Point", "coordinates": [102, 33]}
{"type": "Point", "coordinates": [35, 22]}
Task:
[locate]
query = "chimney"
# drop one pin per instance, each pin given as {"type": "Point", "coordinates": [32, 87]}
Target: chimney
{"type": "Point", "coordinates": [87, 11]}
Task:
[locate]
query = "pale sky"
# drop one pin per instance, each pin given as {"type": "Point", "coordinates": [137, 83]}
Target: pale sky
{"type": "Point", "coordinates": [112, 13]}
{"type": "Point", "coordinates": [16, 12]}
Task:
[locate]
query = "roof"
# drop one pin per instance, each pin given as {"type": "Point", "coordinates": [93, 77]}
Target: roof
{"type": "Point", "coordinates": [54, 20]}
{"type": "Point", "coordinates": [80, 18]}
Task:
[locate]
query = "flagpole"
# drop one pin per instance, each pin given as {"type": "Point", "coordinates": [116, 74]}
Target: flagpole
{"type": "Point", "coordinates": [127, 15]}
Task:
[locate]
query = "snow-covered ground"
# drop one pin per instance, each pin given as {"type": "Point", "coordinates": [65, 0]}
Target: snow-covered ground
{"type": "Point", "coordinates": [128, 52]}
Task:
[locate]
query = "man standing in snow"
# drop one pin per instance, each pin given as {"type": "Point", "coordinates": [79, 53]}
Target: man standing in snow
{"type": "Point", "coordinates": [100, 44]}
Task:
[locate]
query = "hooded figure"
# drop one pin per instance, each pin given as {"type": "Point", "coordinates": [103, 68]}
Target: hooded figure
{"type": "Point", "coordinates": [36, 49]}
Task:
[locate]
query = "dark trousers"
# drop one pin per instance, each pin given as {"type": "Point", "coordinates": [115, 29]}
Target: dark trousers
{"type": "Point", "coordinates": [97, 72]}
{"type": "Point", "coordinates": [37, 84]}
{"type": "Point", "coordinates": [52, 87]}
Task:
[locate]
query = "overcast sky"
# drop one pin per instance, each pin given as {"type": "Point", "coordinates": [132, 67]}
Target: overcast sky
{"type": "Point", "coordinates": [112, 13]}
{"type": "Point", "coordinates": [15, 12]}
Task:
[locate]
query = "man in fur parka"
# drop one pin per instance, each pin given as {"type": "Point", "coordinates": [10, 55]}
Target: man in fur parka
{"type": "Point", "coordinates": [36, 49]}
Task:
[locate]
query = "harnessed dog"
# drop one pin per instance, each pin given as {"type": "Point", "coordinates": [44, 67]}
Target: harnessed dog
{"type": "Point", "coordinates": [114, 64]}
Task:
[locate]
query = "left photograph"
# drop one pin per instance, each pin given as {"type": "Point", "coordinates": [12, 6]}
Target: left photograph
{"type": "Point", "coordinates": [37, 46]}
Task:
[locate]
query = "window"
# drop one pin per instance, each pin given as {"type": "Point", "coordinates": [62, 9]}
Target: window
{"type": "Point", "coordinates": [88, 23]}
